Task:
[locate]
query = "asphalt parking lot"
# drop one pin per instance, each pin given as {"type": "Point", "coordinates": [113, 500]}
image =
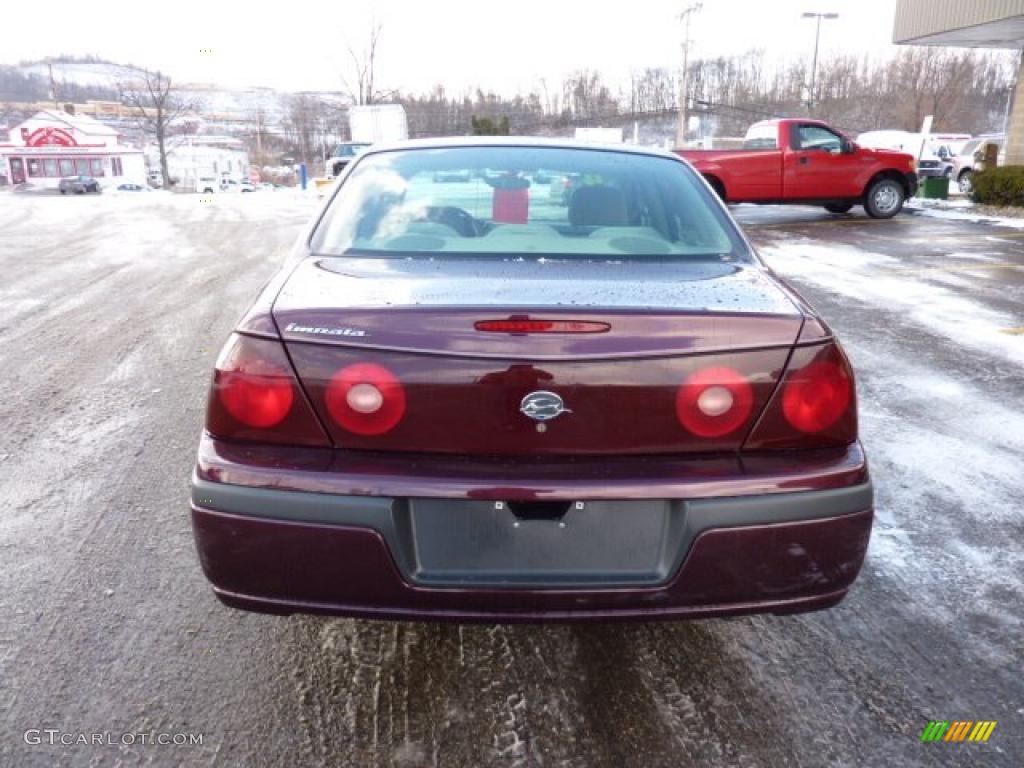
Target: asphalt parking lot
{"type": "Point", "coordinates": [113, 311]}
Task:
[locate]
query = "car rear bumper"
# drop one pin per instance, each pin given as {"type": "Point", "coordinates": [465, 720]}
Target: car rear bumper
{"type": "Point", "coordinates": [287, 551]}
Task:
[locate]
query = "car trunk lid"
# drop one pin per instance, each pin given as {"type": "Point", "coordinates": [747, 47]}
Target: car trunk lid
{"type": "Point", "coordinates": [464, 389]}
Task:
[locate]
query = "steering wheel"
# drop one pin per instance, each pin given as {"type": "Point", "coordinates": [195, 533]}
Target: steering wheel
{"type": "Point", "coordinates": [460, 220]}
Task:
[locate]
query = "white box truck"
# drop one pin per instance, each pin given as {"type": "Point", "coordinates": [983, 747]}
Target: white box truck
{"type": "Point", "coordinates": [368, 124]}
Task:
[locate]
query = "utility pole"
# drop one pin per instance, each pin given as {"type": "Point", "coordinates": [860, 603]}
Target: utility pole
{"type": "Point", "coordinates": [812, 96]}
{"type": "Point", "coordinates": [684, 81]}
{"type": "Point", "coordinates": [53, 86]}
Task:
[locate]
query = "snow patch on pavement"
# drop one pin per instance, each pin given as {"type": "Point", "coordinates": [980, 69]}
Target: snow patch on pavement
{"type": "Point", "coordinates": [946, 460]}
{"type": "Point", "coordinates": [885, 281]}
{"type": "Point", "coordinates": [965, 213]}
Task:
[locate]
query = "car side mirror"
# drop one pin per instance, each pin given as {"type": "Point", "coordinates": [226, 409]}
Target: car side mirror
{"type": "Point", "coordinates": [847, 147]}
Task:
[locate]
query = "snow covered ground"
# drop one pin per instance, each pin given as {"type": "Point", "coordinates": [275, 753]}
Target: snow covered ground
{"type": "Point", "coordinates": [935, 335]}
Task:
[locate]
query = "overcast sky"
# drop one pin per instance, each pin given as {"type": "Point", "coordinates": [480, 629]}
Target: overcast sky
{"type": "Point", "coordinates": [504, 46]}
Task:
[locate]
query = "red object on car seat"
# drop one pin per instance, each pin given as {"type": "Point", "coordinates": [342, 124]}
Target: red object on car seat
{"type": "Point", "coordinates": [511, 203]}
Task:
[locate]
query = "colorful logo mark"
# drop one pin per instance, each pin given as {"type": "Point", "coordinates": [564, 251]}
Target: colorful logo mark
{"type": "Point", "coordinates": [958, 730]}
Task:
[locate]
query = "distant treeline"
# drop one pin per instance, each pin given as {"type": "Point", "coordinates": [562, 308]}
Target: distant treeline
{"type": "Point", "coordinates": [19, 86]}
{"type": "Point", "coordinates": [967, 91]}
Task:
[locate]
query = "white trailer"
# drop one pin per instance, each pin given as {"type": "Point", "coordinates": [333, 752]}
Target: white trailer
{"type": "Point", "coordinates": [368, 124]}
{"type": "Point", "coordinates": [373, 123]}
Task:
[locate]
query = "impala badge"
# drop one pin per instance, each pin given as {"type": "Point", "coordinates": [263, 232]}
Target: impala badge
{"type": "Point", "coordinates": [543, 406]}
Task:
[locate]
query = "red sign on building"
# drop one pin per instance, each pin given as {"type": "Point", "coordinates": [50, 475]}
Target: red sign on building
{"type": "Point", "coordinates": [49, 137]}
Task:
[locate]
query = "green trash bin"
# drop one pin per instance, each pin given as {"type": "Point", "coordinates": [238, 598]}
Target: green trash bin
{"type": "Point", "coordinates": [935, 188]}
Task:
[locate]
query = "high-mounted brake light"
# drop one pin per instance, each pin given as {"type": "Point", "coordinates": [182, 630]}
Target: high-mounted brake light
{"type": "Point", "coordinates": [366, 399]}
{"type": "Point", "coordinates": [541, 326]}
{"type": "Point", "coordinates": [255, 396]}
{"type": "Point", "coordinates": [714, 402]}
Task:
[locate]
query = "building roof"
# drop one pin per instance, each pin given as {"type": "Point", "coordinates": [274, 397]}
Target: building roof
{"type": "Point", "coordinates": [974, 24]}
{"type": "Point", "coordinates": [89, 126]}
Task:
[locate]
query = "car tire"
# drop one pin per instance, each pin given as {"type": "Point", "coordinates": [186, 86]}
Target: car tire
{"type": "Point", "coordinates": [966, 183]}
{"type": "Point", "coordinates": [838, 207]}
{"type": "Point", "coordinates": [63, 191]}
{"type": "Point", "coordinates": [885, 199]}
{"type": "Point", "coordinates": [718, 186]}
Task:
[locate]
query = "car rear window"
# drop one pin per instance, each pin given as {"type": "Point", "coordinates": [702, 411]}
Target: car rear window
{"type": "Point", "coordinates": [525, 201]}
{"type": "Point", "coordinates": [762, 136]}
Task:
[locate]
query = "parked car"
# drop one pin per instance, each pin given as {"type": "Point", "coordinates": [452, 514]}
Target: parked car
{"type": "Point", "coordinates": [806, 162]}
{"type": "Point", "coordinates": [236, 185]}
{"type": "Point", "coordinates": [129, 187]}
{"type": "Point", "coordinates": [611, 410]}
{"type": "Point", "coordinates": [933, 153]}
{"type": "Point", "coordinates": [933, 167]}
{"type": "Point", "coordinates": [965, 162]}
{"type": "Point", "coordinates": [78, 185]}
{"type": "Point", "coordinates": [207, 185]}
{"type": "Point", "coordinates": [443, 177]}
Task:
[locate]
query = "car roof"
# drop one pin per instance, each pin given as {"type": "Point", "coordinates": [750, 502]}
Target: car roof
{"type": "Point", "coordinates": [529, 142]}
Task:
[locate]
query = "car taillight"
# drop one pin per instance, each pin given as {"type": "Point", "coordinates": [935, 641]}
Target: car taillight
{"type": "Point", "coordinates": [260, 396]}
{"type": "Point", "coordinates": [815, 404]}
{"type": "Point", "coordinates": [255, 396]}
{"type": "Point", "coordinates": [365, 399]}
{"type": "Point", "coordinates": [817, 396]}
{"type": "Point", "coordinates": [714, 402]}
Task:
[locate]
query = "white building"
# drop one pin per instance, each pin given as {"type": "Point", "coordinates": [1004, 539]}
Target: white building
{"type": "Point", "coordinates": [52, 145]}
{"type": "Point", "coordinates": [191, 158]}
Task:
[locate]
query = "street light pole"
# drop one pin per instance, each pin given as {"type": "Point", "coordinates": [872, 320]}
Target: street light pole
{"type": "Point", "coordinates": [684, 81]}
{"type": "Point", "coordinates": [811, 96]}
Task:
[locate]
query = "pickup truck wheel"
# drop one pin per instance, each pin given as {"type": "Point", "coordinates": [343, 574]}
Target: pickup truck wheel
{"type": "Point", "coordinates": [884, 199]}
{"type": "Point", "coordinates": [718, 186]}
{"type": "Point", "coordinates": [839, 207]}
{"type": "Point", "coordinates": [966, 183]}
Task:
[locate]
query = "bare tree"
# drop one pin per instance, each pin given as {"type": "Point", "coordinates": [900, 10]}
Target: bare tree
{"type": "Point", "coordinates": [6, 113]}
{"type": "Point", "coordinates": [586, 97]}
{"type": "Point", "coordinates": [653, 90]}
{"type": "Point", "coordinates": [361, 82]}
{"type": "Point", "coordinates": [309, 126]}
{"type": "Point", "coordinates": [157, 105]}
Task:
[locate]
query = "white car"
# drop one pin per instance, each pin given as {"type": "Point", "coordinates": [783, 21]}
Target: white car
{"type": "Point", "coordinates": [237, 185]}
{"type": "Point", "coordinates": [970, 155]}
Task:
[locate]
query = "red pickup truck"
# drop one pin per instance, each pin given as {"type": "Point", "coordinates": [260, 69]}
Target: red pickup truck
{"type": "Point", "coordinates": [806, 162]}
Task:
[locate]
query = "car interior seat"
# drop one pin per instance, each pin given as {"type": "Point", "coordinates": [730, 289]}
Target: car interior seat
{"type": "Point", "coordinates": [598, 206]}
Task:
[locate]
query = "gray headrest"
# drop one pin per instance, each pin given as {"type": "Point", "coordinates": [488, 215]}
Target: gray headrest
{"type": "Point", "coordinates": [598, 206]}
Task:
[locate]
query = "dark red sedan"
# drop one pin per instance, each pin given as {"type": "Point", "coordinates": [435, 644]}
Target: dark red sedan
{"type": "Point", "coordinates": [465, 400]}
